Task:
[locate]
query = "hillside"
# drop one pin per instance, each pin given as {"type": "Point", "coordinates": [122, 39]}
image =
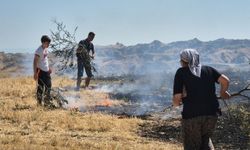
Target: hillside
{"type": "Point", "coordinates": [160, 57]}
{"type": "Point", "coordinates": [149, 58]}
{"type": "Point", "coordinates": [10, 63]}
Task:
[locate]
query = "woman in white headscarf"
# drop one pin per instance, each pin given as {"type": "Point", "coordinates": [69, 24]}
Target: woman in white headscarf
{"type": "Point", "coordinates": [191, 57]}
{"type": "Point", "coordinates": [200, 104]}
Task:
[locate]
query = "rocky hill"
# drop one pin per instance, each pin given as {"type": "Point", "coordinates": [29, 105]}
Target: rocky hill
{"type": "Point", "coordinates": [10, 63]}
{"type": "Point", "coordinates": [150, 58]}
{"type": "Point", "coordinates": [160, 57]}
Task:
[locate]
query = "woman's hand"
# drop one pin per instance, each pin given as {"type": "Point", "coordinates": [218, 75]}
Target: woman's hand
{"type": "Point", "coordinates": [225, 95]}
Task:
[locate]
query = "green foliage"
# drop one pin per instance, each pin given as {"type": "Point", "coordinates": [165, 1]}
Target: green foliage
{"type": "Point", "coordinates": [63, 45]}
{"type": "Point", "coordinates": [241, 114]}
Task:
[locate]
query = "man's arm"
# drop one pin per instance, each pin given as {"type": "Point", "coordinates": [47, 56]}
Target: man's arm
{"type": "Point", "coordinates": [92, 50]}
{"type": "Point", "coordinates": [35, 62]}
{"type": "Point", "coordinates": [93, 54]}
{"type": "Point", "coordinates": [224, 82]}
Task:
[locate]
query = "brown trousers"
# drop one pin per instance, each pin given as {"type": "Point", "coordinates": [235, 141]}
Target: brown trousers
{"type": "Point", "coordinates": [197, 132]}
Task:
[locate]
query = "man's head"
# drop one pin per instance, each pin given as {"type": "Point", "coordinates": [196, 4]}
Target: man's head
{"type": "Point", "coordinates": [45, 41]}
{"type": "Point", "coordinates": [91, 36]}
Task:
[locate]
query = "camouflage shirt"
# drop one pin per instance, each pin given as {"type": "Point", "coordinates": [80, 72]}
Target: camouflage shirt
{"type": "Point", "coordinates": [82, 52]}
{"type": "Point", "coordinates": [88, 45]}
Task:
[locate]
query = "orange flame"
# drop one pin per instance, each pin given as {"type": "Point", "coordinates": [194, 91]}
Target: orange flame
{"type": "Point", "coordinates": [106, 103]}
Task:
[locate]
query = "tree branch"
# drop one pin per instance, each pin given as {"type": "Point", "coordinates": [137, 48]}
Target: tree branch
{"type": "Point", "coordinates": [247, 88]}
{"type": "Point", "coordinates": [63, 45]}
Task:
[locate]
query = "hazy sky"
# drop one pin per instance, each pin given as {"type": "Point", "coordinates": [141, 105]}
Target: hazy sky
{"type": "Point", "coordinates": [126, 21]}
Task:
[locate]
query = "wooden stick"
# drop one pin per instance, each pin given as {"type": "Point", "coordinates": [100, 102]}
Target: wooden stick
{"type": "Point", "coordinates": [232, 95]}
{"type": "Point", "coordinates": [240, 93]}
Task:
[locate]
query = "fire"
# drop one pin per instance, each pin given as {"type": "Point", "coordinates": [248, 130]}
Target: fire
{"type": "Point", "coordinates": [105, 102]}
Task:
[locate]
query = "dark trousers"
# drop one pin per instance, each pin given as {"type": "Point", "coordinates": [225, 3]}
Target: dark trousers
{"type": "Point", "coordinates": [44, 87]}
{"type": "Point", "coordinates": [197, 132]}
{"type": "Point", "coordinates": [81, 65]}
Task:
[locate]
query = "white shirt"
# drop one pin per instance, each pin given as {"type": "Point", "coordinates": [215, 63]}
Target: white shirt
{"type": "Point", "coordinates": [43, 62]}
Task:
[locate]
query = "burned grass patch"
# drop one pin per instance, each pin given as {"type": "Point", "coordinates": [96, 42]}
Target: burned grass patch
{"type": "Point", "coordinates": [162, 130]}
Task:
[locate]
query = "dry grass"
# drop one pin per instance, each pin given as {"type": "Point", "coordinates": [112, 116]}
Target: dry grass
{"type": "Point", "coordinates": [23, 125]}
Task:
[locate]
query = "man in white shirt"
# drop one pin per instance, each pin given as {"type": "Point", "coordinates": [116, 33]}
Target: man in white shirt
{"type": "Point", "coordinates": [42, 72]}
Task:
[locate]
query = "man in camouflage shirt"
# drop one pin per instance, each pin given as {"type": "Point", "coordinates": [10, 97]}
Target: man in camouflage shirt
{"type": "Point", "coordinates": [84, 59]}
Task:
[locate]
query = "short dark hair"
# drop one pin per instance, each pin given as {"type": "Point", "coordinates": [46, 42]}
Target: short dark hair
{"type": "Point", "coordinates": [45, 38]}
{"type": "Point", "coordinates": [91, 34]}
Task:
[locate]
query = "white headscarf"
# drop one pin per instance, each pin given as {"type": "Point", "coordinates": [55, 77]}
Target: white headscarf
{"type": "Point", "coordinates": [191, 56]}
